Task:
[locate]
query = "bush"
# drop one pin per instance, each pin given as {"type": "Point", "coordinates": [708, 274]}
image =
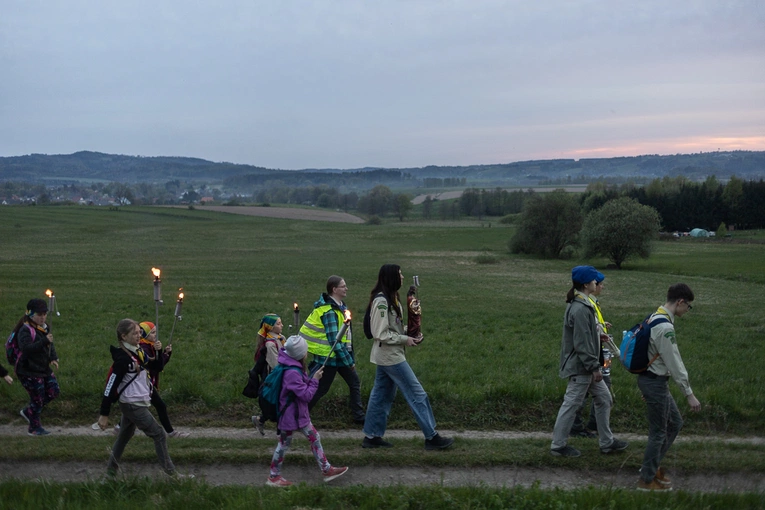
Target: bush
{"type": "Point", "coordinates": [374, 220]}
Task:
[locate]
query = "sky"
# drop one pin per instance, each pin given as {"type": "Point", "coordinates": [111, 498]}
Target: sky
{"type": "Point", "coordinates": [389, 83]}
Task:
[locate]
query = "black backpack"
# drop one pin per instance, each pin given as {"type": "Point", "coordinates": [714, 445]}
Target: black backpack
{"type": "Point", "coordinates": [368, 318]}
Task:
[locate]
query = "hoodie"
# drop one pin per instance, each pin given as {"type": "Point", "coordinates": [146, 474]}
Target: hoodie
{"type": "Point", "coordinates": [304, 388]}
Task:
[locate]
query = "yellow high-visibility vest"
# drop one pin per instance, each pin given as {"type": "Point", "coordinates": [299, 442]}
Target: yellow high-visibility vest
{"type": "Point", "coordinates": [600, 315]}
{"type": "Point", "coordinates": [315, 335]}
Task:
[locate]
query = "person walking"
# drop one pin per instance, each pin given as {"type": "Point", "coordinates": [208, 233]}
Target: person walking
{"type": "Point", "coordinates": [298, 387]}
{"type": "Point", "coordinates": [128, 383]}
{"type": "Point", "coordinates": [579, 429]}
{"type": "Point", "coordinates": [664, 419]}
{"type": "Point", "coordinates": [153, 351]}
{"type": "Point", "coordinates": [393, 373]}
{"type": "Point", "coordinates": [270, 341]}
{"type": "Point", "coordinates": [33, 368]}
{"type": "Point", "coordinates": [320, 332]}
{"type": "Point", "coordinates": [580, 364]}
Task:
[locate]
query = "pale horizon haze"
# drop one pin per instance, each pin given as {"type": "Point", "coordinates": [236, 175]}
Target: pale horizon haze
{"type": "Point", "coordinates": [350, 84]}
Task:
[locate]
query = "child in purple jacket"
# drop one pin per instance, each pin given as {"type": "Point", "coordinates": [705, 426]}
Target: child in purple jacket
{"type": "Point", "coordinates": [294, 416]}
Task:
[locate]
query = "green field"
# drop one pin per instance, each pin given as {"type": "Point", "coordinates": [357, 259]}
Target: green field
{"type": "Point", "coordinates": [492, 321]}
{"type": "Point", "coordinates": [492, 330]}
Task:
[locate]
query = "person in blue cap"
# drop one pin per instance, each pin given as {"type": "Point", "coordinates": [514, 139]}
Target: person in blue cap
{"type": "Point", "coordinates": [580, 364]}
{"type": "Point", "coordinates": [579, 429]}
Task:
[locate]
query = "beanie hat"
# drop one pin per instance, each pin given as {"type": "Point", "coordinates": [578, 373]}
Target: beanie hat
{"type": "Point", "coordinates": [266, 323]}
{"type": "Point", "coordinates": [36, 306]}
{"type": "Point", "coordinates": [146, 328]}
{"type": "Point", "coordinates": [586, 274]}
{"type": "Point", "coordinates": [296, 347]}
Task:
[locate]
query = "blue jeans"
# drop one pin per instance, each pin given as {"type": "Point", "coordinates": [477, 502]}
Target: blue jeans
{"type": "Point", "coordinates": [387, 380]}
{"type": "Point", "coordinates": [664, 422]}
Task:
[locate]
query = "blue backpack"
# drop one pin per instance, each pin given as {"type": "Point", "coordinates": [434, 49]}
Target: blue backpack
{"type": "Point", "coordinates": [634, 345]}
{"type": "Point", "coordinates": [268, 395]}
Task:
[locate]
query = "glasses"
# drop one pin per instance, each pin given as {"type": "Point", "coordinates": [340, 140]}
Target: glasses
{"type": "Point", "coordinates": [690, 307]}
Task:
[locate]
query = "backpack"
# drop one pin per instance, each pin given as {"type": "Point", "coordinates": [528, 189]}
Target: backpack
{"type": "Point", "coordinates": [635, 343]}
{"type": "Point", "coordinates": [258, 373]}
{"type": "Point", "coordinates": [368, 318]}
{"type": "Point", "coordinates": [12, 349]}
{"type": "Point", "coordinates": [268, 395]}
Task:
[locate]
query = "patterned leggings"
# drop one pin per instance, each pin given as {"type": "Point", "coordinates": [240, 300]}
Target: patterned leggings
{"type": "Point", "coordinates": [285, 440]}
{"type": "Point", "coordinates": [41, 391]}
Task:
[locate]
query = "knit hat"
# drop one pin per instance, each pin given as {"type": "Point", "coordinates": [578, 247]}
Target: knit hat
{"type": "Point", "coordinates": [266, 323]}
{"type": "Point", "coordinates": [586, 274]}
{"type": "Point", "coordinates": [36, 306]}
{"type": "Point", "coordinates": [296, 347]}
{"type": "Point", "coordinates": [146, 328]}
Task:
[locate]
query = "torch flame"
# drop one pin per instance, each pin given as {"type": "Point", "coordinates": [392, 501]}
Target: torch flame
{"type": "Point", "coordinates": [294, 306]}
{"type": "Point", "coordinates": [49, 293]}
{"type": "Point", "coordinates": [347, 315]}
{"type": "Point", "coordinates": [156, 272]}
{"type": "Point", "coordinates": [180, 296]}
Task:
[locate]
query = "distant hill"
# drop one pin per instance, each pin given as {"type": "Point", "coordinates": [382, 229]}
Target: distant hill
{"type": "Point", "coordinates": [85, 166]}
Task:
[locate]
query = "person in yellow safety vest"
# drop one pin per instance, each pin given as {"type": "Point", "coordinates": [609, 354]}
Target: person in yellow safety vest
{"type": "Point", "coordinates": [320, 331]}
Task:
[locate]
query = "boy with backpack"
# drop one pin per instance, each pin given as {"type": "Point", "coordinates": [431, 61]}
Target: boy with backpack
{"type": "Point", "coordinates": [664, 420]}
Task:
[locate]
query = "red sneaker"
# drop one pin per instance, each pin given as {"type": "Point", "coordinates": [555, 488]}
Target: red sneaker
{"type": "Point", "coordinates": [277, 481]}
{"type": "Point", "coordinates": [334, 472]}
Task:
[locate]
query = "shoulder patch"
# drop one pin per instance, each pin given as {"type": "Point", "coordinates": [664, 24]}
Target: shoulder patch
{"type": "Point", "coordinates": [382, 306]}
{"type": "Point", "coordinates": [671, 336]}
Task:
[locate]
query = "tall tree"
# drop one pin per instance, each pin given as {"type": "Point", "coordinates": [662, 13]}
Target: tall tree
{"type": "Point", "coordinates": [619, 230]}
{"type": "Point", "coordinates": [549, 225]}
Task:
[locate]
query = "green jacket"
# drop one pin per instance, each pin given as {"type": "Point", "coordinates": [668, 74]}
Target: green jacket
{"type": "Point", "coordinates": [580, 346]}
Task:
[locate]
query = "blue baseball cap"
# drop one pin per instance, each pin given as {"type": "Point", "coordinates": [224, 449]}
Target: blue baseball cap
{"type": "Point", "coordinates": [585, 274]}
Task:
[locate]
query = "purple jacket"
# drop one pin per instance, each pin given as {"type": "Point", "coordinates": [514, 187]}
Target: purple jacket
{"type": "Point", "coordinates": [303, 387]}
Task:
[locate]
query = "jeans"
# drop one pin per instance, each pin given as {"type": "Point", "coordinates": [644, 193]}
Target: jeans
{"type": "Point", "coordinates": [137, 416]}
{"type": "Point", "coordinates": [387, 380]}
{"type": "Point", "coordinates": [578, 385]}
{"type": "Point", "coordinates": [664, 422]}
{"type": "Point", "coordinates": [351, 378]}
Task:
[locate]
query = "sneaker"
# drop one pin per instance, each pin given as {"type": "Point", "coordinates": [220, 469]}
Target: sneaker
{"type": "Point", "coordinates": [279, 481]}
{"type": "Point", "coordinates": [23, 414]}
{"type": "Point", "coordinates": [258, 425]}
{"type": "Point", "coordinates": [334, 472]}
{"type": "Point", "coordinates": [565, 451]}
{"type": "Point", "coordinates": [438, 443]}
{"type": "Point", "coordinates": [39, 431]}
{"type": "Point", "coordinates": [653, 485]}
{"type": "Point", "coordinates": [178, 434]}
{"type": "Point", "coordinates": [175, 475]}
{"type": "Point", "coordinates": [615, 446]}
{"type": "Point", "coordinates": [583, 433]}
{"type": "Point", "coordinates": [662, 477]}
{"type": "Point", "coordinates": [375, 442]}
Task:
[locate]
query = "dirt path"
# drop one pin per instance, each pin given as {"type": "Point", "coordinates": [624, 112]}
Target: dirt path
{"type": "Point", "coordinates": [498, 476]}
{"type": "Point", "coordinates": [289, 213]}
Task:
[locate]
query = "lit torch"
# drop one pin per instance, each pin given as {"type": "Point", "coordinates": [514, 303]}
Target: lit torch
{"type": "Point", "coordinates": [340, 333]}
{"type": "Point", "coordinates": [157, 296]}
{"type": "Point", "coordinates": [178, 317]}
{"type": "Point", "coordinates": [51, 305]}
{"type": "Point", "coordinates": [295, 315]}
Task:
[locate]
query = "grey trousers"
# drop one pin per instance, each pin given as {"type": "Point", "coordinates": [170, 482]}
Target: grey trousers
{"type": "Point", "coordinates": [136, 416]}
{"type": "Point", "coordinates": [664, 422]}
{"type": "Point", "coordinates": [577, 388]}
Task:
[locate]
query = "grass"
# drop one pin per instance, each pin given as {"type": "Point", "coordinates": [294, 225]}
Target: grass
{"type": "Point", "coordinates": [234, 269]}
{"type": "Point", "coordinates": [489, 360]}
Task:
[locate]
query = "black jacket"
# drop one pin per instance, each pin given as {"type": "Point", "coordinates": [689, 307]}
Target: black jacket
{"type": "Point", "coordinates": [36, 354]}
{"type": "Point", "coordinates": [124, 365]}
